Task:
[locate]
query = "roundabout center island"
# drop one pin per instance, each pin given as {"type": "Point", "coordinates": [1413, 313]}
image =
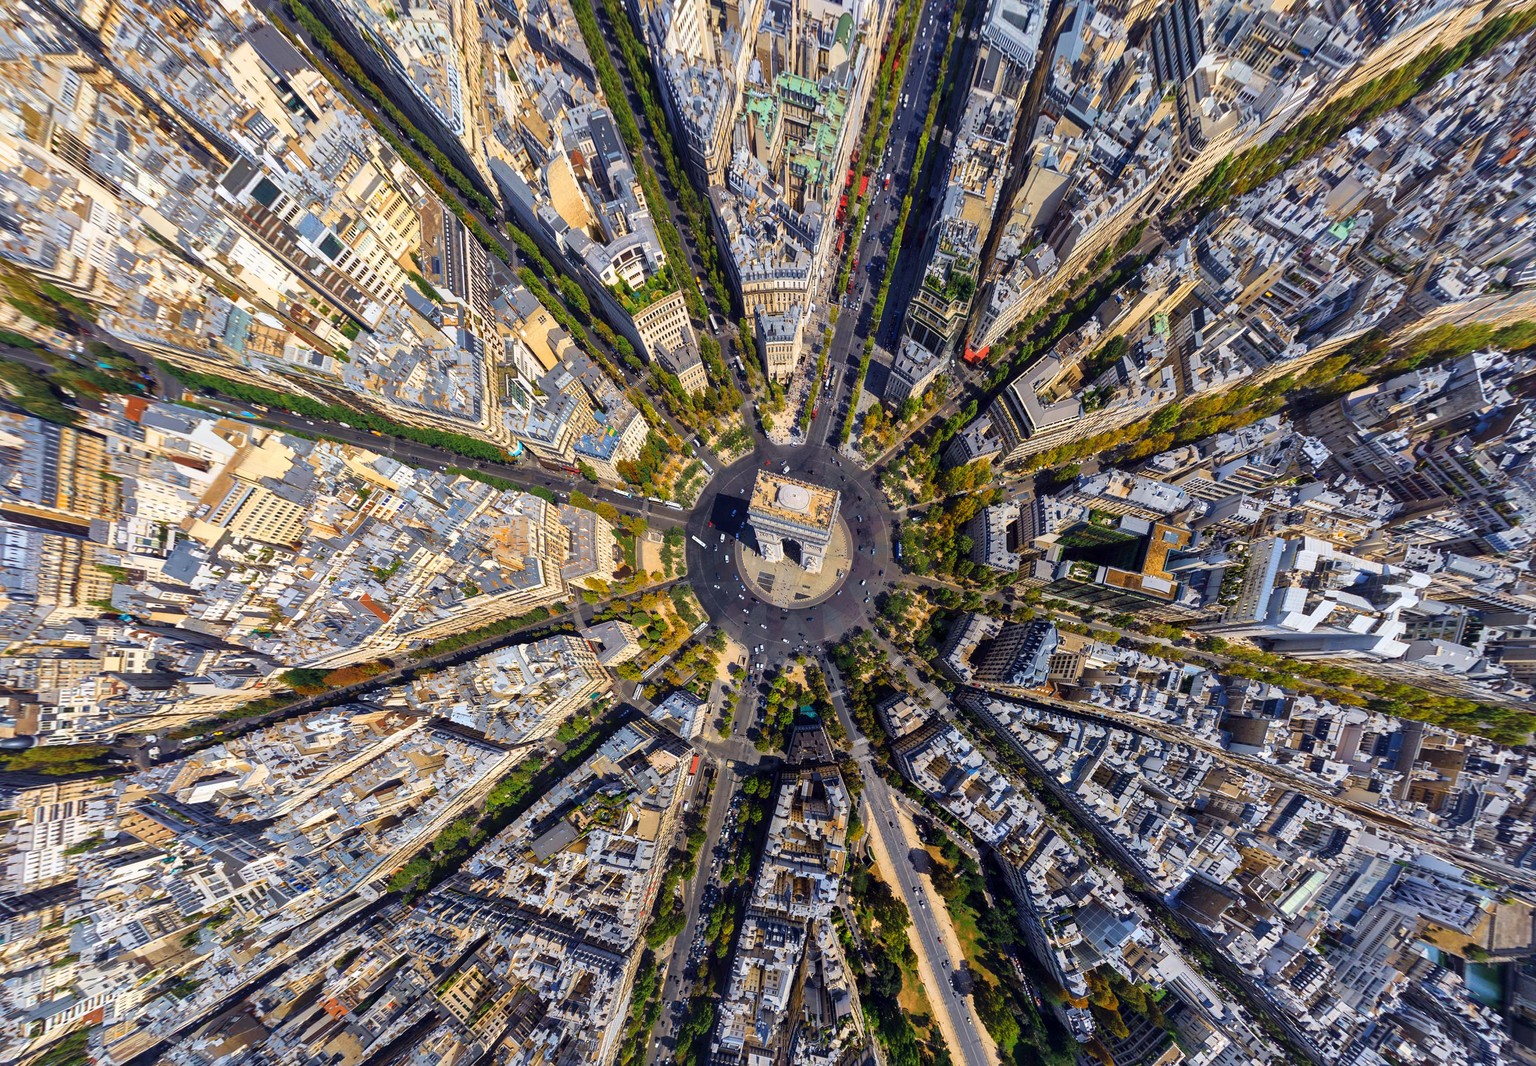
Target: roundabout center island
{"type": "Point", "coordinates": [800, 548]}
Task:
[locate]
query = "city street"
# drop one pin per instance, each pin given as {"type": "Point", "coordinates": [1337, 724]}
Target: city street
{"type": "Point", "coordinates": [1285, 777]}
{"type": "Point", "coordinates": [1257, 996]}
{"type": "Point", "coordinates": [526, 474]}
{"type": "Point", "coordinates": [873, 244]}
{"type": "Point", "coordinates": [936, 966]}
{"type": "Point", "coordinates": [732, 758]}
{"type": "Point", "coordinates": [136, 746]}
{"type": "Point", "coordinates": [676, 980]}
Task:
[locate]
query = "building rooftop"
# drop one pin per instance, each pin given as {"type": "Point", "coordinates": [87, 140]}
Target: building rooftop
{"type": "Point", "coordinates": [793, 501]}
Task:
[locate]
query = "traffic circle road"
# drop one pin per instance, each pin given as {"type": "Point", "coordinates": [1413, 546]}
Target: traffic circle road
{"type": "Point", "coordinates": [718, 530]}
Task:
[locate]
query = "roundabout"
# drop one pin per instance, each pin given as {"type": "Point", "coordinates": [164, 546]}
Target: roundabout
{"type": "Point", "coordinates": [778, 607]}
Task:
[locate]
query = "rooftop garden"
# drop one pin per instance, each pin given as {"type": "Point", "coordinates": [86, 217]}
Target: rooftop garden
{"type": "Point", "coordinates": [658, 285]}
{"type": "Point", "coordinates": [955, 286]}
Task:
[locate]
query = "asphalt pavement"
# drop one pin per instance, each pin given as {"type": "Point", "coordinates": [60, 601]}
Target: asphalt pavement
{"type": "Point", "coordinates": [874, 243]}
{"type": "Point", "coordinates": [716, 530]}
{"type": "Point", "coordinates": [914, 893]}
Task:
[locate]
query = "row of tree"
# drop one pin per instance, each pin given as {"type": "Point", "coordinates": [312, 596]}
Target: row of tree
{"type": "Point", "coordinates": [887, 91]}
{"type": "Point", "coordinates": [458, 443]}
{"type": "Point", "coordinates": [1069, 308]}
{"type": "Point", "coordinates": [637, 62]}
{"type": "Point", "coordinates": [918, 159]}
{"type": "Point", "coordinates": [1241, 174]}
{"type": "Point", "coordinates": [508, 798]}
{"type": "Point", "coordinates": [890, 962]}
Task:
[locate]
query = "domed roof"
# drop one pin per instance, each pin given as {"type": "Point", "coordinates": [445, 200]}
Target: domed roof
{"type": "Point", "coordinates": [794, 498]}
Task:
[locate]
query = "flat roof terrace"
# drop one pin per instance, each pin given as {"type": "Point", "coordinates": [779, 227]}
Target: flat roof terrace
{"type": "Point", "coordinates": [793, 502]}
